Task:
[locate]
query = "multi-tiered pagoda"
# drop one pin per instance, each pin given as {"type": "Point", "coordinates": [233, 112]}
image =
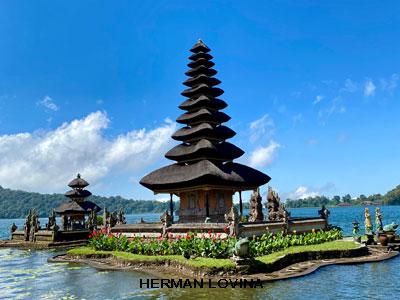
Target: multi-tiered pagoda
{"type": "Point", "coordinates": [74, 211]}
{"type": "Point", "coordinates": [204, 176]}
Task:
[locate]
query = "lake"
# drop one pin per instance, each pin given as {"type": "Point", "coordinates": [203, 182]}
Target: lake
{"type": "Point", "coordinates": [28, 275]}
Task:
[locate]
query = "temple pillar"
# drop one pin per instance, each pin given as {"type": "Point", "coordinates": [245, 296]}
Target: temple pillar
{"type": "Point", "coordinates": [171, 207]}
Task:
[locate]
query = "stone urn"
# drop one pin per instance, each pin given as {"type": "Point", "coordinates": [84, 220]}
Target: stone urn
{"type": "Point", "coordinates": [242, 248]}
{"type": "Point", "coordinates": [391, 235]}
{"type": "Point", "coordinates": [383, 239]}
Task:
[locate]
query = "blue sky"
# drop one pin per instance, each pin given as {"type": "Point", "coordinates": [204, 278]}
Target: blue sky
{"type": "Point", "coordinates": [91, 87]}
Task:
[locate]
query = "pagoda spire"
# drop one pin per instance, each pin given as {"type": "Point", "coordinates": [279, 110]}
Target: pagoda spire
{"type": "Point", "coordinates": [204, 157]}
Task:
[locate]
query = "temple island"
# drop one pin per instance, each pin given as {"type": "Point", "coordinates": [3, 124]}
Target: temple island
{"type": "Point", "coordinates": [208, 235]}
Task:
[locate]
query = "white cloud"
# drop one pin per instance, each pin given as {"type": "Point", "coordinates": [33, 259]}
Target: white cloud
{"type": "Point", "coordinates": [48, 103]}
{"type": "Point", "coordinates": [263, 156]}
{"type": "Point", "coordinates": [302, 192]}
{"type": "Point", "coordinates": [349, 86]}
{"type": "Point", "coordinates": [261, 128]}
{"type": "Point", "coordinates": [318, 99]}
{"type": "Point", "coordinates": [369, 88]}
{"type": "Point", "coordinates": [390, 84]}
{"type": "Point", "coordinates": [47, 161]}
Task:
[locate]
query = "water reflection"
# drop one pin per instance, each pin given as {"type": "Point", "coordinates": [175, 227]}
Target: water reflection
{"type": "Point", "coordinates": [27, 275]}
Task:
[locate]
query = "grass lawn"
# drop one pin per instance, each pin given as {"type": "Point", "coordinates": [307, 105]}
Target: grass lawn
{"type": "Point", "coordinates": [203, 262]}
{"type": "Point", "coordinates": [334, 245]}
{"type": "Point", "coordinates": [199, 262]}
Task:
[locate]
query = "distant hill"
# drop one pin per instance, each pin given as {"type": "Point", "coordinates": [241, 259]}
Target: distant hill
{"type": "Point", "coordinates": [16, 204]}
{"type": "Point", "coordinates": [390, 198]}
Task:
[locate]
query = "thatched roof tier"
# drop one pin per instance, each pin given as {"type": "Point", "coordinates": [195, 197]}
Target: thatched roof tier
{"type": "Point", "coordinates": [78, 193]}
{"type": "Point", "coordinates": [204, 149]}
{"type": "Point", "coordinates": [199, 55]}
{"type": "Point", "coordinates": [202, 89]}
{"type": "Point", "coordinates": [200, 70]}
{"type": "Point", "coordinates": [78, 182]}
{"type": "Point", "coordinates": [203, 102]}
{"type": "Point", "coordinates": [201, 62]}
{"type": "Point", "coordinates": [202, 174]}
{"type": "Point", "coordinates": [200, 47]}
{"type": "Point", "coordinates": [210, 81]}
{"type": "Point", "coordinates": [203, 131]}
{"type": "Point", "coordinates": [203, 115]}
{"type": "Point", "coordinates": [72, 206]}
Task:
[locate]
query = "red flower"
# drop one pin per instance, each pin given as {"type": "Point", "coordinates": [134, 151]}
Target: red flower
{"type": "Point", "coordinates": [218, 235]}
{"type": "Point", "coordinates": [209, 231]}
{"type": "Point", "coordinates": [226, 229]}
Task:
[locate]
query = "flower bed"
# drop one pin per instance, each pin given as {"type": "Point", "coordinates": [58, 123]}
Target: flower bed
{"type": "Point", "coordinates": [205, 245]}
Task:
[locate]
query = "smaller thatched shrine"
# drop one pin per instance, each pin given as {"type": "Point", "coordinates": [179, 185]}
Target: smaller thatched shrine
{"type": "Point", "coordinates": [73, 212]}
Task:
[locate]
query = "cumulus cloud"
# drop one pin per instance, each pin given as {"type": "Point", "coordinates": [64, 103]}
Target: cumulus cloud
{"type": "Point", "coordinates": [369, 88]}
{"type": "Point", "coordinates": [46, 161]}
{"type": "Point", "coordinates": [318, 99]}
{"type": "Point", "coordinates": [303, 192]}
{"type": "Point", "coordinates": [261, 128]}
{"type": "Point", "coordinates": [48, 103]}
{"type": "Point", "coordinates": [263, 156]}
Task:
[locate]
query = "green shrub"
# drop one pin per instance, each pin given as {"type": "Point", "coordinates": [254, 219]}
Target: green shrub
{"type": "Point", "coordinates": [205, 245]}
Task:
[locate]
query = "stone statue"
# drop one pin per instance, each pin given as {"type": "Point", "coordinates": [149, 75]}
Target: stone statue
{"type": "Point", "coordinates": [232, 217]}
{"type": "Point", "coordinates": [121, 217]}
{"type": "Point", "coordinates": [324, 212]}
{"type": "Point", "coordinates": [91, 223]}
{"type": "Point", "coordinates": [13, 228]}
{"type": "Point", "coordinates": [378, 220]}
{"type": "Point", "coordinates": [368, 224]}
{"type": "Point", "coordinates": [112, 219]}
{"type": "Point", "coordinates": [64, 222]}
{"type": "Point", "coordinates": [27, 225]}
{"type": "Point", "coordinates": [276, 210]}
{"type": "Point", "coordinates": [165, 219]}
{"type": "Point", "coordinates": [256, 213]}
{"type": "Point", "coordinates": [33, 226]}
{"type": "Point", "coordinates": [390, 227]}
{"type": "Point", "coordinates": [51, 221]}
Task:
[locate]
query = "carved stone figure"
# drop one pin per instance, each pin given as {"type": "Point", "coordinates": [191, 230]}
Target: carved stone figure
{"type": "Point", "coordinates": [232, 217]}
{"type": "Point", "coordinates": [121, 217]}
{"type": "Point", "coordinates": [368, 224]}
{"type": "Point", "coordinates": [378, 220]}
{"type": "Point", "coordinates": [51, 221]}
{"type": "Point", "coordinates": [27, 225]}
{"type": "Point", "coordinates": [33, 226]}
{"type": "Point", "coordinates": [276, 210]}
{"type": "Point", "coordinates": [390, 227]}
{"type": "Point", "coordinates": [13, 228]}
{"type": "Point", "coordinates": [105, 217]}
{"type": "Point", "coordinates": [91, 223]}
{"type": "Point", "coordinates": [112, 219]}
{"type": "Point", "coordinates": [165, 218]}
{"type": "Point", "coordinates": [256, 213]}
{"type": "Point", "coordinates": [324, 212]}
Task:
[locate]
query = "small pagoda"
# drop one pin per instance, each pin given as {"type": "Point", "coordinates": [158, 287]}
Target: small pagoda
{"type": "Point", "coordinates": [74, 211]}
{"type": "Point", "coordinates": [204, 176]}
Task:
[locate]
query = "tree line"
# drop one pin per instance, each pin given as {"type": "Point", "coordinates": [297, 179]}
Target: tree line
{"type": "Point", "coordinates": [390, 198]}
{"type": "Point", "coordinates": [16, 204]}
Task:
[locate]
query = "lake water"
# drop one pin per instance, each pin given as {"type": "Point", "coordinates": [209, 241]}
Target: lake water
{"type": "Point", "coordinates": [28, 275]}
